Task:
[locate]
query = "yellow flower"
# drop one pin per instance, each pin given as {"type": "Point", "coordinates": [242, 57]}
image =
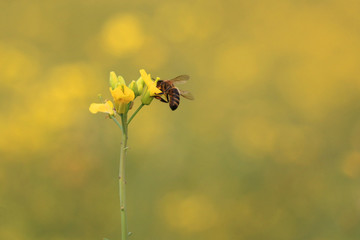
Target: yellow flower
{"type": "Point", "coordinates": [150, 90]}
{"type": "Point", "coordinates": [106, 107]}
{"type": "Point", "coordinates": [151, 85]}
{"type": "Point", "coordinates": [122, 95]}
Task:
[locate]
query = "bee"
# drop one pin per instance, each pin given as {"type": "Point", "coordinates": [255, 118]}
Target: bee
{"type": "Point", "coordinates": [171, 94]}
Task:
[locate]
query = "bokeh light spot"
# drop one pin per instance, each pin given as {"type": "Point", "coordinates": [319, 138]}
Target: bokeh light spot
{"type": "Point", "coordinates": [192, 213]}
{"type": "Point", "coordinates": [184, 23]}
{"type": "Point", "coordinates": [122, 34]}
{"type": "Point", "coordinates": [152, 55]}
{"type": "Point", "coordinates": [14, 63]}
{"type": "Point", "coordinates": [48, 107]}
{"type": "Point", "coordinates": [237, 67]}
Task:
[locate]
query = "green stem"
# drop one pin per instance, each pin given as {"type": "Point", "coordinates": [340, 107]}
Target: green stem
{"type": "Point", "coordinates": [137, 110]}
{"type": "Point", "coordinates": [122, 180]}
{"type": "Point", "coordinates": [117, 123]}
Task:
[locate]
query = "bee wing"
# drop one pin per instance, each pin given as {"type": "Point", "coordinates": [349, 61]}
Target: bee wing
{"type": "Point", "coordinates": [180, 79]}
{"type": "Point", "coordinates": [187, 95]}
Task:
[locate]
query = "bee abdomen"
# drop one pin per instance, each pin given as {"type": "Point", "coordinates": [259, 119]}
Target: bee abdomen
{"type": "Point", "coordinates": [174, 98]}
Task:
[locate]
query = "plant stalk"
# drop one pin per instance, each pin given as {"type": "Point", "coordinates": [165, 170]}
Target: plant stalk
{"type": "Point", "coordinates": [134, 114]}
{"type": "Point", "coordinates": [117, 123]}
{"type": "Point", "coordinates": [122, 179]}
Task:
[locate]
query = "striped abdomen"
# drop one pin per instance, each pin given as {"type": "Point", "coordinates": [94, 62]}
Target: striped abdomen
{"type": "Point", "coordinates": [174, 98]}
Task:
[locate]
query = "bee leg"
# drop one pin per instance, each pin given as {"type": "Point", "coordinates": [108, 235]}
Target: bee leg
{"type": "Point", "coordinates": [161, 99]}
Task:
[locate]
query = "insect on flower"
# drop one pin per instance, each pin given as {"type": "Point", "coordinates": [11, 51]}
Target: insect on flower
{"type": "Point", "coordinates": [171, 93]}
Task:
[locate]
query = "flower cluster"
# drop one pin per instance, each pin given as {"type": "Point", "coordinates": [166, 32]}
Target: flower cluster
{"type": "Point", "coordinates": [123, 98]}
{"type": "Point", "coordinates": [123, 95]}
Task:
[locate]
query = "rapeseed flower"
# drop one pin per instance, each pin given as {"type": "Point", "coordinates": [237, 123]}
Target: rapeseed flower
{"type": "Point", "coordinates": [106, 107]}
{"type": "Point", "coordinates": [122, 96]}
{"type": "Point", "coordinates": [150, 90]}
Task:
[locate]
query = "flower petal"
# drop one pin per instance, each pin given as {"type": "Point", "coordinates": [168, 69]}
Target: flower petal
{"type": "Point", "coordinates": [129, 94]}
{"type": "Point", "coordinates": [102, 107]}
{"type": "Point", "coordinates": [117, 93]}
{"type": "Point", "coordinates": [154, 91]}
{"type": "Point", "coordinates": [122, 94]}
{"type": "Point", "coordinates": [150, 84]}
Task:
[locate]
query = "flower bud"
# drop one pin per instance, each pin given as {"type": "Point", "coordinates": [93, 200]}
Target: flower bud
{"type": "Point", "coordinates": [114, 82]}
{"type": "Point", "coordinates": [133, 86]}
{"type": "Point", "coordinates": [146, 99]}
{"type": "Point", "coordinates": [121, 80]}
{"type": "Point", "coordinates": [140, 85]}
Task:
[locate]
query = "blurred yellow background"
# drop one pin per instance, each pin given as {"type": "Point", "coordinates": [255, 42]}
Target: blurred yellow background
{"type": "Point", "coordinates": [270, 148]}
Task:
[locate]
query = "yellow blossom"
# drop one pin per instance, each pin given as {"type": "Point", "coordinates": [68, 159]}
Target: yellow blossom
{"type": "Point", "coordinates": [106, 107]}
{"type": "Point", "coordinates": [122, 95]}
{"type": "Point", "coordinates": [151, 85]}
